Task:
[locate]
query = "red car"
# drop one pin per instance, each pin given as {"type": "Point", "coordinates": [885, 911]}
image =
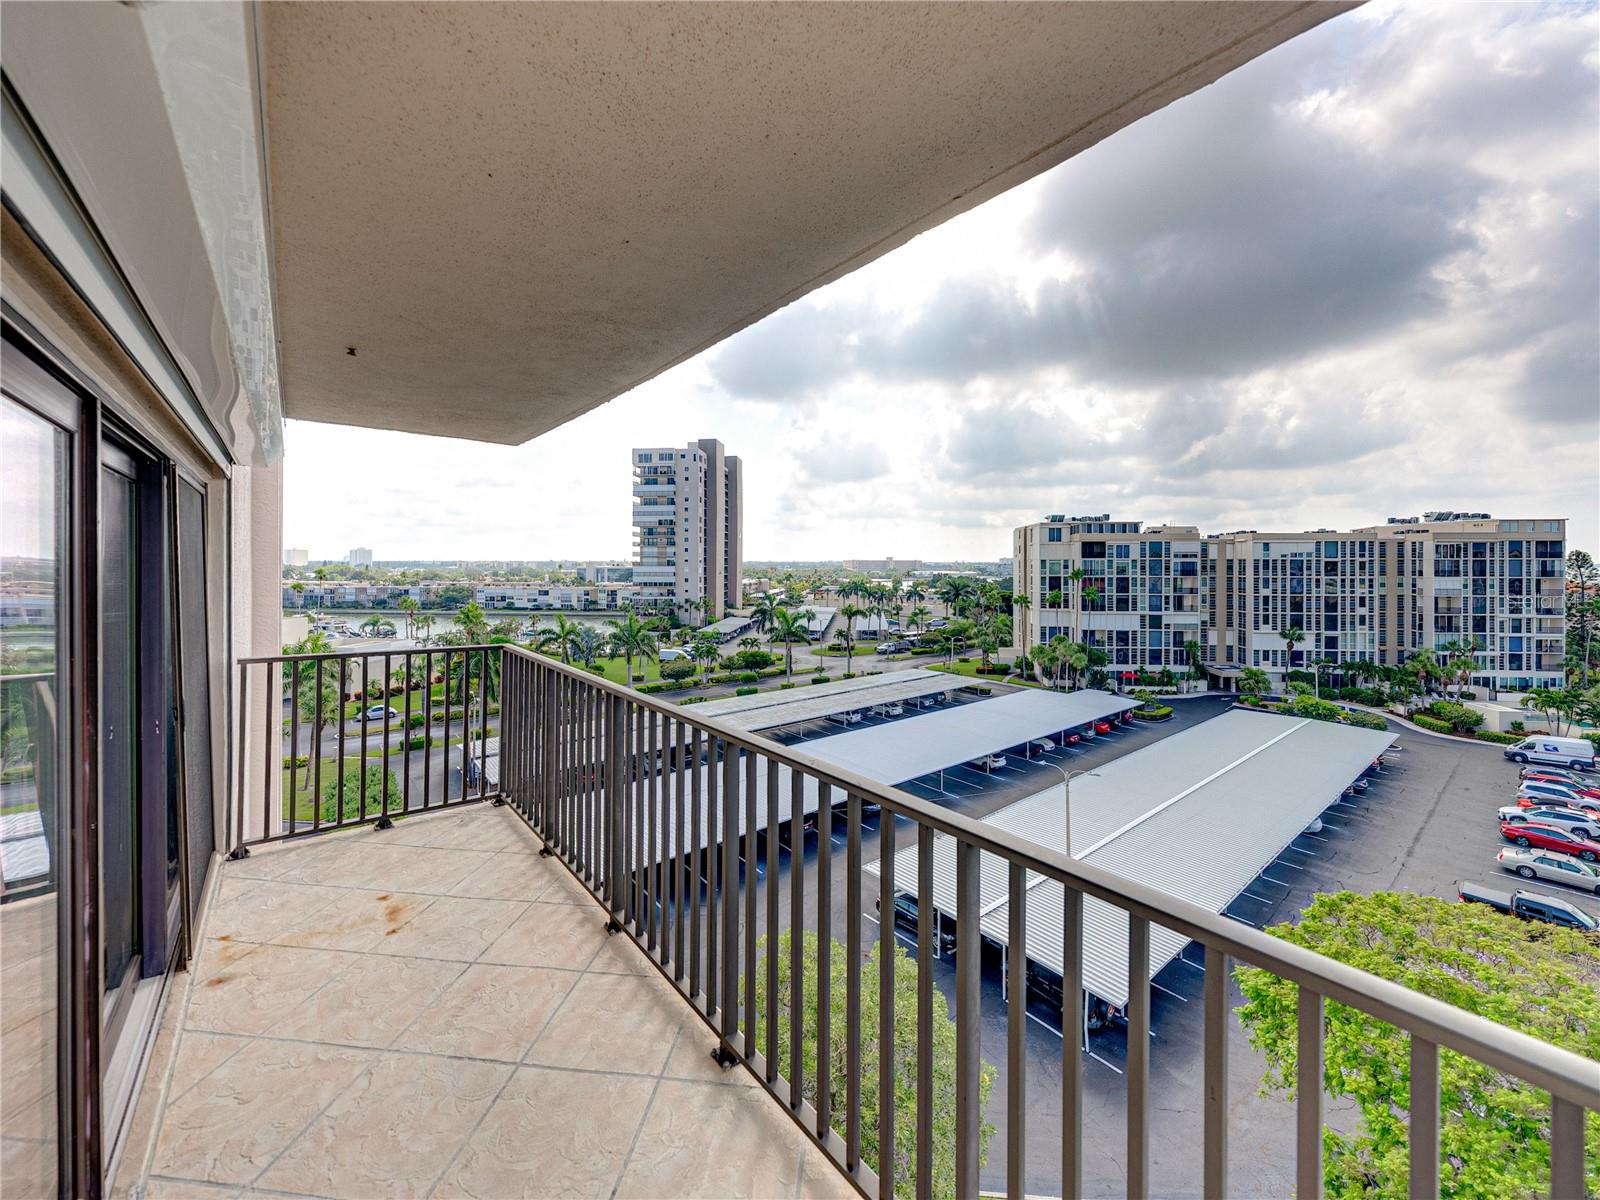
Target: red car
{"type": "Point", "coordinates": [1547, 837]}
{"type": "Point", "coordinates": [1102, 726]}
{"type": "Point", "coordinates": [1071, 739]}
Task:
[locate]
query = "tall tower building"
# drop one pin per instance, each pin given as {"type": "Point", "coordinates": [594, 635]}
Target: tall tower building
{"type": "Point", "coordinates": [688, 517]}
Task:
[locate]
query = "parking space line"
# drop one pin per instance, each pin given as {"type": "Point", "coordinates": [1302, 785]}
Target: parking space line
{"type": "Point", "coordinates": [1170, 992]}
{"type": "Point", "coordinates": [1278, 862]}
{"type": "Point", "coordinates": [1046, 1024]}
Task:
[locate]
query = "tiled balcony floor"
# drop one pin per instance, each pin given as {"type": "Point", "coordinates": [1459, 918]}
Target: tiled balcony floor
{"type": "Point", "coordinates": [435, 1010]}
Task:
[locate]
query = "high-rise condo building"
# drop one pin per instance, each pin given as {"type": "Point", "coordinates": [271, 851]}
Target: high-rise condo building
{"type": "Point", "coordinates": [294, 557]}
{"type": "Point", "coordinates": [361, 556]}
{"type": "Point", "coordinates": [1376, 594]}
{"type": "Point", "coordinates": [688, 516]}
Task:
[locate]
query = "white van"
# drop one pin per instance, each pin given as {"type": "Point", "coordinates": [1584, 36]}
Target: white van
{"type": "Point", "coordinates": [1554, 752]}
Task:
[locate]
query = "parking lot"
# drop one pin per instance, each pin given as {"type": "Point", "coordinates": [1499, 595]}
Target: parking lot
{"type": "Point", "coordinates": [1426, 821]}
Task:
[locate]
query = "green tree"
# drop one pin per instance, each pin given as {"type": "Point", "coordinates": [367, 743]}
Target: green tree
{"type": "Point", "coordinates": [918, 616]}
{"type": "Point", "coordinates": [1253, 681]}
{"type": "Point", "coordinates": [631, 639]}
{"type": "Point", "coordinates": [906, 1040]}
{"type": "Point", "coordinates": [1494, 1132]}
{"type": "Point", "coordinates": [847, 643]}
{"type": "Point", "coordinates": [788, 628]}
{"type": "Point", "coordinates": [678, 670]}
{"type": "Point", "coordinates": [1292, 636]}
{"type": "Point", "coordinates": [1557, 705]}
{"type": "Point", "coordinates": [409, 606]}
{"type": "Point", "coordinates": [472, 622]}
{"type": "Point", "coordinates": [341, 795]}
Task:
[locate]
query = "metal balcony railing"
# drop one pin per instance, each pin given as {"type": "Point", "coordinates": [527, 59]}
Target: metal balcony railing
{"type": "Point", "coordinates": [676, 824]}
{"type": "Point", "coordinates": [326, 758]}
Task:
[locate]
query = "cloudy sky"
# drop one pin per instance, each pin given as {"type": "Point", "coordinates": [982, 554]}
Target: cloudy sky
{"type": "Point", "coordinates": [1359, 277]}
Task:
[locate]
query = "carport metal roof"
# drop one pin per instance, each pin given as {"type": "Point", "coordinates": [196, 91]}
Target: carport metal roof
{"type": "Point", "coordinates": [905, 750]}
{"type": "Point", "coordinates": [1198, 815]}
{"type": "Point", "coordinates": [808, 706]}
{"type": "Point", "coordinates": [729, 705]}
{"type": "Point", "coordinates": [666, 805]}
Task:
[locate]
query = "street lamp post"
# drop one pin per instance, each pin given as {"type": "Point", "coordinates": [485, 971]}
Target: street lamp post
{"type": "Point", "coordinates": [1066, 797]}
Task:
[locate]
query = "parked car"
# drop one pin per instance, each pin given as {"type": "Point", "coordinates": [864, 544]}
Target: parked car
{"type": "Point", "coordinates": [1578, 787]}
{"type": "Point", "coordinates": [906, 917]}
{"type": "Point", "coordinates": [1044, 745]}
{"type": "Point", "coordinates": [1102, 726]}
{"type": "Point", "coordinates": [1557, 792]}
{"type": "Point", "coordinates": [1549, 837]}
{"type": "Point", "coordinates": [1126, 716]}
{"type": "Point", "coordinates": [1071, 739]}
{"type": "Point", "coordinates": [989, 762]}
{"type": "Point", "coordinates": [845, 718]}
{"type": "Point", "coordinates": [1562, 818]}
{"type": "Point", "coordinates": [670, 655]}
{"type": "Point", "coordinates": [1577, 753]}
{"type": "Point", "coordinates": [1534, 906]}
{"type": "Point", "coordinates": [1556, 775]}
{"type": "Point", "coordinates": [380, 712]}
{"type": "Point", "coordinates": [1087, 732]}
{"type": "Point", "coordinates": [1544, 864]}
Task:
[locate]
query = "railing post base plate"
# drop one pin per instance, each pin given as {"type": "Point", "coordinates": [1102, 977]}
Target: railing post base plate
{"type": "Point", "coordinates": [723, 1057]}
{"type": "Point", "coordinates": [613, 926]}
{"type": "Point", "coordinates": [546, 852]}
{"type": "Point", "coordinates": [384, 823]}
{"type": "Point", "coordinates": [238, 852]}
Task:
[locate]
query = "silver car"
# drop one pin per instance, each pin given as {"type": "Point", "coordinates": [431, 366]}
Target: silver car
{"type": "Point", "coordinates": [1547, 864]}
{"type": "Point", "coordinates": [1569, 819]}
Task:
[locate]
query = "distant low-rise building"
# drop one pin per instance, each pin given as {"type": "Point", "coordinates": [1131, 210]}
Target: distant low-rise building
{"type": "Point", "coordinates": [1374, 594]}
{"type": "Point", "coordinates": [562, 597]}
{"type": "Point", "coordinates": [883, 564]}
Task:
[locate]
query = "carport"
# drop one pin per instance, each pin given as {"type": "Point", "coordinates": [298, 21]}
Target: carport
{"type": "Point", "coordinates": [1197, 815]}
{"type": "Point", "coordinates": [772, 710]}
{"type": "Point", "coordinates": [934, 742]}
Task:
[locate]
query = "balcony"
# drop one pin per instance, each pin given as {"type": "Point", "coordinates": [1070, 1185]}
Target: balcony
{"type": "Point", "coordinates": [445, 1012]}
{"type": "Point", "coordinates": [562, 982]}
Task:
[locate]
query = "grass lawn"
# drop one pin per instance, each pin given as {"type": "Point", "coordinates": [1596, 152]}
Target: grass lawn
{"type": "Point", "coordinates": [969, 668]}
{"type": "Point", "coordinates": [644, 671]}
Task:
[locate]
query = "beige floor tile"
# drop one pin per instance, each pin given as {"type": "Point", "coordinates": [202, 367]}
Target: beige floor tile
{"type": "Point", "coordinates": [358, 921]}
{"type": "Point", "coordinates": [489, 1012]}
{"type": "Point", "coordinates": [551, 1133]}
{"type": "Point", "coordinates": [413, 868]}
{"type": "Point", "coordinates": [262, 913]}
{"type": "Point", "coordinates": [618, 955]}
{"type": "Point", "coordinates": [27, 1167]}
{"type": "Point", "coordinates": [453, 927]}
{"type": "Point", "coordinates": [218, 954]}
{"type": "Point", "coordinates": [551, 935]}
{"type": "Point", "coordinates": [567, 890]}
{"type": "Point", "coordinates": [264, 986]}
{"type": "Point", "coordinates": [186, 1189]}
{"type": "Point", "coordinates": [691, 1059]}
{"type": "Point", "coordinates": [442, 829]}
{"type": "Point", "coordinates": [612, 1023]}
{"type": "Point", "coordinates": [370, 1003]}
{"type": "Point", "coordinates": [230, 1125]}
{"type": "Point", "coordinates": [198, 1055]}
{"type": "Point", "coordinates": [511, 876]}
{"type": "Point", "coordinates": [392, 1132]}
{"type": "Point", "coordinates": [820, 1179]}
{"type": "Point", "coordinates": [683, 1148]}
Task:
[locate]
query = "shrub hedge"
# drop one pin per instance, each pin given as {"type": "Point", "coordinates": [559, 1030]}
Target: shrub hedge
{"type": "Point", "coordinates": [1160, 712]}
{"type": "Point", "coordinates": [745, 691]}
{"type": "Point", "coordinates": [1499, 739]}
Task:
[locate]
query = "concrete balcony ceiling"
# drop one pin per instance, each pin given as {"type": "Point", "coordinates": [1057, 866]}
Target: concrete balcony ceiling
{"type": "Point", "coordinates": [512, 213]}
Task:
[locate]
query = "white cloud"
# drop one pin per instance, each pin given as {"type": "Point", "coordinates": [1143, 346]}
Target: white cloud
{"type": "Point", "coordinates": [1357, 278]}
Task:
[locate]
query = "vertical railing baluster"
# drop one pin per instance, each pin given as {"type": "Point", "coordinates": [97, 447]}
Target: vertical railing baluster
{"type": "Point", "coordinates": [728, 1001]}
{"type": "Point", "coordinates": [852, 984]}
{"type": "Point", "coordinates": [887, 954]}
{"type": "Point", "coordinates": [405, 733]}
{"type": "Point", "coordinates": [1072, 1037]}
{"type": "Point", "coordinates": [692, 866]}
{"type": "Point", "coordinates": [824, 959]}
{"type": "Point", "coordinates": [637, 715]}
{"type": "Point", "coordinates": [344, 689]}
{"type": "Point", "coordinates": [271, 746]}
{"type": "Point", "coordinates": [711, 858]}
{"type": "Point", "coordinates": [366, 732]}
{"type": "Point", "coordinates": [1308, 1097]}
{"type": "Point", "coordinates": [1138, 1064]}
{"type": "Point", "coordinates": [1016, 1032]}
{"type": "Point", "coordinates": [652, 879]}
{"type": "Point", "coordinates": [771, 1051]}
{"type": "Point", "coordinates": [750, 876]}
{"type": "Point", "coordinates": [383, 815]}
{"type": "Point", "coordinates": [1424, 1104]}
{"type": "Point", "coordinates": [316, 751]}
{"type": "Point", "coordinates": [294, 741]}
{"type": "Point", "coordinates": [1566, 1149]}
{"type": "Point", "coordinates": [927, 930]}
{"type": "Point", "coordinates": [797, 925]}
{"type": "Point", "coordinates": [427, 729]}
{"type": "Point", "coordinates": [680, 858]}
{"type": "Point", "coordinates": [616, 802]}
{"type": "Point", "coordinates": [444, 738]}
{"type": "Point", "coordinates": [969, 1001]}
{"type": "Point", "coordinates": [1215, 1032]}
{"type": "Point", "coordinates": [483, 724]}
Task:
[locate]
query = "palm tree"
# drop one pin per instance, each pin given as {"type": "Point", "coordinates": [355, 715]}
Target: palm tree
{"type": "Point", "coordinates": [1076, 577]}
{"type": "Point", "coordinates": [1191, 650]}
{"type": "Point", "coordinates": [847, 643]}
{"type": "Point", "coordinates": [789, 628]}
{"type": "Point", "coordinates": [590, 642]}
{"type": "Point", "coordinates": [761, 612]}
{"type": "Point", "coordinates": [422, 626]}
{"type": "Point", "coordinates": [704, 650]}
{"type": "Point", "coordinates": [914, 594]}
{"type": "Point", "coordinates": [993, 632]}
{"type": "Point", "coordinates": [472, 622]}
{"type": "Point", "coordinates": [631, 639]}
{"type": "Point", "coordinates": [850, 612]}
{"type": "Point", "coordinates": [409, 606]}
{"type": "Point", "coordinates": [372, 626]}
{"type": "Point", "coordinates": [564, 636]}
{"type": "Point", "coordinates": [919, 617]}
{"type": "Point", "coordinates": [1292, 636]}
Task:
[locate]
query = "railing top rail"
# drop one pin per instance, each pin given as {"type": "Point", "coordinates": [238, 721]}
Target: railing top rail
{"type": "Point", "coordinates": [374, 652]}
{"type": "Point", "coordinates": [1561, 1072]}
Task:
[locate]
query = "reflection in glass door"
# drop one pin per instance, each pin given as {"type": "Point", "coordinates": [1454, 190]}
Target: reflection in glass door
{"type": "Point", "coordinates": [120, 899]}
{"type": "Point", "coordinates": [34, 693]}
